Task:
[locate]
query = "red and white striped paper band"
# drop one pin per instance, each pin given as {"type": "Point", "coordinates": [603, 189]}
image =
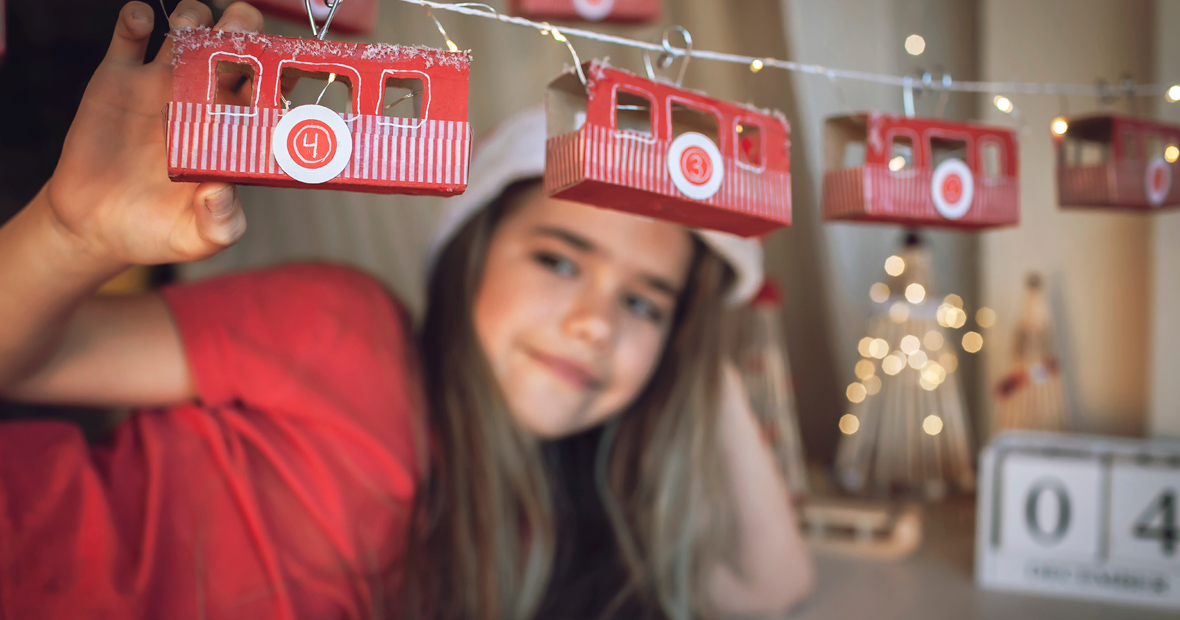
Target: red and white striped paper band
{"type": "Point", "coordinates": [236, 140]}
{"type": "Point", "coordinates": [1118, 184]}
{"type": "Point", "coordinates": [607, 155]}
{"type": "Point", "coordinates": [875, 192]}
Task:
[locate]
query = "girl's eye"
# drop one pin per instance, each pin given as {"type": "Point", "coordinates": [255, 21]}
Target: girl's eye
{"type": "Point", "coordinates": [556, 263]}
{"type": "Point", "coordinates": [644, 308]}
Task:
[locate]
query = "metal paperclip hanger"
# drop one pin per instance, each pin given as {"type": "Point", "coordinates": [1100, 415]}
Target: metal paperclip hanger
{"type": "Point", "coordinates": [561, 38]}
{"type": "Point", "coordinates": [321, 31]}
{"type": "Point", "coordinates": [666, 57]}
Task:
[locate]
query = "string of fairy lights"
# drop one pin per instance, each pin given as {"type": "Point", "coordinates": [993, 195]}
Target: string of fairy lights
{"type": "Point", "coordinates": [915, 45]}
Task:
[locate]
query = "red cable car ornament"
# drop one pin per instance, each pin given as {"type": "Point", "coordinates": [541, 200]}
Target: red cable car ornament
{"type": "Point", "coordinates": [623, 11]}
{"type": "Point", "coordinates": [1117, 162]}
{"type": "Point", "coordinates": [352, 17]}
{"type": "Point", "coordinates": [655, 149]}
{"type": "Point", "coordinates": [920, 172]}
{"type": "Point", "coordinates": [269, 143]}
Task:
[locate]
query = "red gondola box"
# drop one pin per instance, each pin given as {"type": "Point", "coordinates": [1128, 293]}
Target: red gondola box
{"type": "Point", "coordinates": [353, 16]}
{"type": "Point", "coordinates": [1117, 162]}
{"type": "Point", "coordinates": [624, 11]}
{"type": "Point", "coordinates": [920, 172]}
{"type": "Point", "coordinates": [651, 148]}
{"type": "Point", "coordinates": [363, 150]}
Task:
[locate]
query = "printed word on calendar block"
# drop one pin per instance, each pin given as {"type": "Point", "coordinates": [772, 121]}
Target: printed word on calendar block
{"type": "Point", "coordinates": [1081, 517]}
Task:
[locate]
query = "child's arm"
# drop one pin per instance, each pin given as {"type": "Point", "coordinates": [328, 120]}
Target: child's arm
{"type": "Point", "coordinates": [109, 205]}
{"type": "Point", "coordinates": [774, 570]}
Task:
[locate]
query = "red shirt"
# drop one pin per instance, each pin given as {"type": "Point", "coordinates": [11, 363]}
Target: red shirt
{"type": "Point", "coordinates": [284, 492]}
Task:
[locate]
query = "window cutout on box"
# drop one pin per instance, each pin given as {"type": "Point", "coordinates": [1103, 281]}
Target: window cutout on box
{"type": "Point", "coordinates": [942, 149]}
{"type": "Point", "coordinates": [990, 154]}
{"type": "Point", "coordinates": [901, 153]}
{"type": "Point", "coordinates": [749, 143]}
{"type": "Point", "coordinates": [235, 83]}
{"type": "Point", "coordinates": [402, 98]}
{"type": "Point", "coordinates": [686, 118]}
{"type": "Point", "coordinates": [633, 112]}
{"type": "Point", "coordinates": [1154, 146]}
{"type": "Point", "coordinates": [335, 88]}
{"type": "Point", "coordinates": [1080, 152]}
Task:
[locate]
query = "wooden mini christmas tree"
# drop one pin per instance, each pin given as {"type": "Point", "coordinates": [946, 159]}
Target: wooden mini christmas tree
{"type": "Point", "coordinates": [906, 432]}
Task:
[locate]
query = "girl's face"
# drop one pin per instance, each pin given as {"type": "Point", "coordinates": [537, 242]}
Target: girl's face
{"type": "Point", "coordinates": [574, 308]}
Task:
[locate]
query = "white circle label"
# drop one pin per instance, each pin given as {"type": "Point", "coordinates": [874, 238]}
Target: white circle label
{"type": "Point", "coordinates": [952, 187]}
{"type": "Point", "coordinates": [1158, 181]}
{"type": "Point", "coordinates": [594, 10]}
{"type": "Point", "coordinates": [312, 144]}
{"type": "Point", "coordinates": [695, 165]}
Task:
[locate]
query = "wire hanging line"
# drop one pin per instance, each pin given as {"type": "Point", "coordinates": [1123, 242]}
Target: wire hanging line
{"type": "Point", "coordinates": [756, 64]}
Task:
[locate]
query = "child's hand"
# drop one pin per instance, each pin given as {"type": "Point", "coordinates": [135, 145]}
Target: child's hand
{"type": "Point", "coordinates": [110, 191]}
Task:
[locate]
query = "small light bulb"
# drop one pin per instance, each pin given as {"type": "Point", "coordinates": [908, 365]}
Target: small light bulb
{"type": "Point", "coordinates": [1172, 153]}
{"type": "Point", "coordinates": [932, 425]}
{"type": "Point", "coordinates": [972, 342]}
{"type": "Point", "coordinates": [1060, 126]}
{"type": "Point", "coordinates": [1003, 103]}
{"type": "Point", "coordinates": [755, 66]}
{"type": "Point", "coordinates": [915, 44]}
{"type": "Point", "coordinates": [1174, 93]}
{"type": "Point", "coordinates": [849, 424]}
{"type": "Point", "coordinates": [894, 266]}
{"type": "Point", "coordinates": [897, 163]}
{"type": "Point", "coordinates": [856, 392]}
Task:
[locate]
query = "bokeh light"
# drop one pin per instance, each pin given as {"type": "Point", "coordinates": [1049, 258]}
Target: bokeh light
{"type": "Point", "coordinates": [879, 348]}
{"type": "Point", "coordinates": [879, 292]}
{"type": "Point", "coordinates": [865, 369]}
{"type": "Point", "coordinates": [932, 425]}
{"type": "Point", "coordinates": [915, 44]}
{"type": "Point", "coordinates": [1060, 126]}
{"type": "Point", "coordinates": [915, 293]}
{"type": "Point", "coordinates": [893, 364]}
{"type": "Point", "coordinates": [933, 340]}
{"type": "Point", "coordinates": [899, 312]}
{"type": "Point", "coordinates": [894, 265]}
{"type": "Point", "coordinates": [972, 342]}
{"type": "Point", "coordinates": [849, 424]}
{"type": "Point", "coordinates": [986, 317]}
{"type": "Point", "coordinates": [910, 344]}
{"type": "Point", "coordinates": [856, 392]}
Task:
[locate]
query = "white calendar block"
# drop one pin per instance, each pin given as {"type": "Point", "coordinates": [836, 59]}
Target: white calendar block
{"type": "Point", "coordinates": [1145, 513]}
{"type": "Point", "coordinates": [1051, 506]}
{"type": "Point", "coordinates": [1080, 517]}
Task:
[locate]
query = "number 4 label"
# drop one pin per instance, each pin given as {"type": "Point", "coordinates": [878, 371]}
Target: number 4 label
{"type": "Point", "coordinates": [1144, 525]}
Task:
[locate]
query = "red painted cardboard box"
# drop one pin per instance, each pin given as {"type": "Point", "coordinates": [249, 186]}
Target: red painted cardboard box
{"type": "Point", "coordinates": [633, 11]}
{"type": "Point", "coordinates": [1117, 162]}
{"type": "Point", "coordinates": [657, 150]}
{"type": "Point", "coordinates": [353, 16]}
{"type": "Point", "coordinates": [426, 154]}
{"type": "Point", "coordinates": [920, 172]}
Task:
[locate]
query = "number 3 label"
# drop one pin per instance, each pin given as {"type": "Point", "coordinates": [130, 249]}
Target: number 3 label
{"type": "Point", "coordinates": [1050, 508]}
{"type": "Point", "coordinates": [1144, 524]}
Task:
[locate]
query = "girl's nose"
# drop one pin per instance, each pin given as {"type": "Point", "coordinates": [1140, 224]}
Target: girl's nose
{"type": "Point", "coordinates": [592, 319]}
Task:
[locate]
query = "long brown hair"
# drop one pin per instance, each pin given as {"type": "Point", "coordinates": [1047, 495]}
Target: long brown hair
{"type": "Point", "coordinates": [483, 539]}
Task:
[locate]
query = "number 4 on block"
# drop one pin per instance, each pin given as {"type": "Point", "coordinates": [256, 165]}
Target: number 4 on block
{"type": "Point", "coordinates": [1145, 513]}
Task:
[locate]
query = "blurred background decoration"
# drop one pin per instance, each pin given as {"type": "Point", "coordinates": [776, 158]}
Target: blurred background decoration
{"type": "Point", "coordinates": [907, 432]}
{"type": "Point", "coordinates": [1031, 395]}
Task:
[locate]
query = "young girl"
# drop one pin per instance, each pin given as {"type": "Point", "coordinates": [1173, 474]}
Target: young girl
{"type": "Point", "coordinates": [562, 440]}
